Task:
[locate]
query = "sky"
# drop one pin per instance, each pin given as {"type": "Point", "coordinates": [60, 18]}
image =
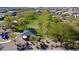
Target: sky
{"type": "Point", "coordinates": [39, 3]}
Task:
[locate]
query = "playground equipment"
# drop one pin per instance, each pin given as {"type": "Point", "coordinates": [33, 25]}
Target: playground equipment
{"type": "Point", "coordinates": [4, 35]}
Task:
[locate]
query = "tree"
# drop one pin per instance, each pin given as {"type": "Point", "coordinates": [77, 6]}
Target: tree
{"type": "Point", "coordinates": [21, 24]}
{"type": "Point", "coordinates": [56, 19]}
{"type": "Point", "coordinates": [63, 32]}
{"type": "Point", "coordinates": [43, 23]}
{"type": "Point", "coordinates": [7, 22]}
{"type": "Point", "coordinates": [24, 19]}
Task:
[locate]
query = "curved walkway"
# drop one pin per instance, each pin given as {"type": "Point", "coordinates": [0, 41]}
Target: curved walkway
{"type": "Point", "coordinates": [5, 42]}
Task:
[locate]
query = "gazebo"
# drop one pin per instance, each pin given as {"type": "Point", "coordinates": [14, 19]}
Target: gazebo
{"type": "Point", "coordinates": [27, 33]}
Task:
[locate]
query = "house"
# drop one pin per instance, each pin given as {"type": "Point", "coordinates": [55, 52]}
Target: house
{"type": "Point", "coordinates": [11, 13]}
{"type": "Point", "coordinates": [2, 15]}
{"type": "Point", "coordinates": [27, 33]}
{"type": "Point", "coordinates": [74, 12]}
